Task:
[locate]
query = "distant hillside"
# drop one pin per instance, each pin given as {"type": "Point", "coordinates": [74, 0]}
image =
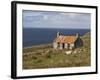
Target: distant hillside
{"type": "Point", "coordinates": [86, 39]}
{"type": "Point", "coordinates": [86, 35]}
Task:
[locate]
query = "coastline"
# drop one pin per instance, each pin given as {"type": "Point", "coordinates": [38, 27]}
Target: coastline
{"type": "Point", "coordinates": [40, 45]}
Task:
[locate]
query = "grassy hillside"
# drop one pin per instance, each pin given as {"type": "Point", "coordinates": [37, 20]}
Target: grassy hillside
{"type": "Point", "coordinates": [44, 56]}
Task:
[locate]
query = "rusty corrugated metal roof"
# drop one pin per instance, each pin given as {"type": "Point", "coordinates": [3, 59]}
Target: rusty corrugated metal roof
{"type": "Point", "coordinates": [65, 39]}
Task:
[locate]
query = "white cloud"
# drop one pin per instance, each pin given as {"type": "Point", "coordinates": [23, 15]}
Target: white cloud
{"type": "Point", "coordinates": [45, 17]}
{"type": "Point", "coordinates": [71, 15]}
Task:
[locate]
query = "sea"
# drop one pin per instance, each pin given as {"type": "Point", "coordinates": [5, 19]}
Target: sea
{"type": "Point", "coordinates": [38, 36]}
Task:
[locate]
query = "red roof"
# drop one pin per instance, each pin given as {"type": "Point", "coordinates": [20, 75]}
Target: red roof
{"type": "Point", "coordinates": [65, 39]}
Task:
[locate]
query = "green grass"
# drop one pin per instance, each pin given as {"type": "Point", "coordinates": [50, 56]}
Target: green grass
{"type": "Point", "coordinates": [44, 56]}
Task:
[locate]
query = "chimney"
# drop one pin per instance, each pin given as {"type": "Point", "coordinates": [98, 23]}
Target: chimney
{"type": "Point", "coordinates": [58, 34]}
{"type": "Point", "coordinates": [77, 35]}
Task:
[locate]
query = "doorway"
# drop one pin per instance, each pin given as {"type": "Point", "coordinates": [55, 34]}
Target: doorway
{"type": "Point", "coordinates": [63, 45]}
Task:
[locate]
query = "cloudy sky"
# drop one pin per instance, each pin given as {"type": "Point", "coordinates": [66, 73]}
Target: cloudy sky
{"type": "Point", "coordinates": [48, 19]}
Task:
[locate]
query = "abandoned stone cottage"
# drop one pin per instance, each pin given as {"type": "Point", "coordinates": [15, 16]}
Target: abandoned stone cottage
{"type": "Point", "coordinates": [67, 41]}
